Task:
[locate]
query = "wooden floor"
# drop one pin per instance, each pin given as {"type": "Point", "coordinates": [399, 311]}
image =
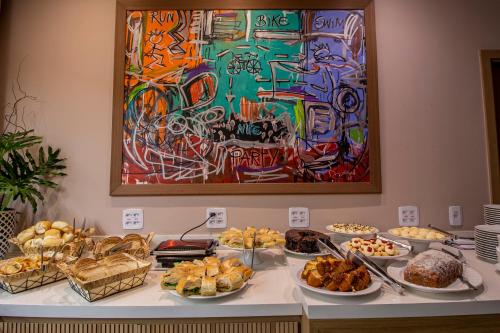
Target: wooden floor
{"type": "Point", "coordinates": [294, 324]}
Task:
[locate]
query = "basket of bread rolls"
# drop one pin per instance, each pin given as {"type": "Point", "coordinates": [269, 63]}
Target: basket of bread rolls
{"type": "Point", "coordinates": [95, 279]}
{"type": "Point", "coordinates": [51, 236]}
{"type": "Point", "coordinates": [27, 272]}
{"type": "Point", "coordinates": [133, 244]}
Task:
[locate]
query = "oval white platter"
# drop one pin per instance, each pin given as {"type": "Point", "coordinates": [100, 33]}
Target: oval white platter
{"type": "Point", "coordinates": [257, 249]}
{"type": "Point", "coordinates": [402, 252]}
{"type": "Point", "coordinates": [307, 255]}
{"type": "Point", "coordinates": [418, 240]}
{"type": "Point", "coordinates": [219, 294]}
{"type": "Point", "coordinates": [396, 271]}
{"type": "Point", "coordinates": [373, 287]}
{"type": "Point", "coordinates": [365, 235]}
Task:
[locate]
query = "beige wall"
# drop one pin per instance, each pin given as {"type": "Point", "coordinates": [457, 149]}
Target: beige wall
{"type": "Point", "coordinates": [431, 118]}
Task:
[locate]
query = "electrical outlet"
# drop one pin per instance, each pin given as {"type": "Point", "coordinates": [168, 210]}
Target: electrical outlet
{"type": "Point", "coordinates": [219, 220]}
{"type": "Point", "coordinates": [408, 216]}
{"type": "Point", "coordinates": [298, 217]}
{"type": "Point", "coordinates": [455, 215]}
{"type": "Point", "coordinates": [133, 218]}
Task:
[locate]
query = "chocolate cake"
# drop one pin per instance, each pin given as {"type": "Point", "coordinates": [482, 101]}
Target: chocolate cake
{"type": "Point", "coordinates": [303, 240]}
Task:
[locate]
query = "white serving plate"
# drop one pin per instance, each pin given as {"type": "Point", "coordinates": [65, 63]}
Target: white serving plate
{"type": "Point", "coordinates": [305, 255]}
{"type": "Point", "coordinates": [343, 236]}
{"type": "Point", "coordinates": [373, 287]}
{"type": "Point", "coordinates": [402, 252]}
{"type": "Point", "coordinates": [396, 271]}
{"type": "Point", "coordinates": [494, 206]}
{"type": "Point", "coordinates": [218, 295]}
{"type": "Point", "coordinates": [488, 229]}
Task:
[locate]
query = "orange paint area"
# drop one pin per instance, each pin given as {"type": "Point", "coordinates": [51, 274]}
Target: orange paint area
{"type": "Point", "coordinates": [162, 46]}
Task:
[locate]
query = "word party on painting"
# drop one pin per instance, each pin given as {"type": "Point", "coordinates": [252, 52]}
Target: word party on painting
{"type": "Point", "coordinates": [245, 97]}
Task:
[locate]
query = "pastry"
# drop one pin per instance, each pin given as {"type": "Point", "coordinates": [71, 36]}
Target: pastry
{"type": "Point", "coordinates": [304, 241]}
{"type": "Point", "coordinates": [229, 263]}
{"type": "Point", "coordinates": [433, 268]}
{"type": "Point", "coordinates": [264, 238]}
{"type": "Point", "coordinates": [335, 274]}
{"type": "Point", "coordinates": [229, 281]}
{"type": "Point", "coordinates": [208, 286]}
{"type": "Point", "coordinates": [189, 285]}
{"type": "Point", "coordinates": [212, 274]}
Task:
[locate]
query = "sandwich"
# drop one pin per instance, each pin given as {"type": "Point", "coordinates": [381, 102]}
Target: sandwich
{"type": "Point", "coordinates": [208, 286]}
{"type": "Point", "coordinates": [244, 271]}
{"type": "Point", "coordinates": [227, 264]}
{"type": "Point", "coordinates": [212, 269]}
{"type": "Point", "coordinates": [229, 282]}
{"type": "Point", "coordinates": [171, 278]}
{"type": "Point", "coordinates": [189, 285]}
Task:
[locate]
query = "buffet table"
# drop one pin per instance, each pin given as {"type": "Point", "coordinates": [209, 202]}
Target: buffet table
{"type": "Point", "coordinates": [270, 303]}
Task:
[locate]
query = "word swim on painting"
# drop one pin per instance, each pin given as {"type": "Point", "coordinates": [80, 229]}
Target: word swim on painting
{"type": "Point", "coordinates": [245, 96]}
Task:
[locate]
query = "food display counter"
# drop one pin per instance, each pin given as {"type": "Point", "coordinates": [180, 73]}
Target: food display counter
{"type": "Point", "coordinates": [271, 302]}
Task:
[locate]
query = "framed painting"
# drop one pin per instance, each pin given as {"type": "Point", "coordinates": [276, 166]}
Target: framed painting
{"type": "Point", "coordinates": [242, 97]}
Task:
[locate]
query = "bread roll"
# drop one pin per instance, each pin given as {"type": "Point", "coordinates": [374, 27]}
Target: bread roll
{"type": "Point", "coordinates": [60, 225]}
{"type": "Point", "coordinates": [26, 235]}
{"type": "Point", "coordinates": [52, 233]}
{"type": "Point", "coordinates": [11, 268]}
{"type": "Point", "coordinates": [52, 242]}
{"type": "Point", "coordinates": [68, 237]}
{"type": "Point", "coordinates": [42, 226]}
{"type": "Point", "coordinates": [208, 286]}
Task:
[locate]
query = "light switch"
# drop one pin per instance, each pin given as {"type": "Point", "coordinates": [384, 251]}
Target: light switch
{"type": "Point", "coordinates": [455, 215]}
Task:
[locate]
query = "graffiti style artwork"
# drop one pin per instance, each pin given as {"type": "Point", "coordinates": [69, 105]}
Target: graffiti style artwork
{"type": "Point", "coordinates": [245, 97]}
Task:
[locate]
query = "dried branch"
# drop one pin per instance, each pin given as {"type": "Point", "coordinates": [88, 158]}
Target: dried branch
{"type": "Point", "coordinates": [14, 112]}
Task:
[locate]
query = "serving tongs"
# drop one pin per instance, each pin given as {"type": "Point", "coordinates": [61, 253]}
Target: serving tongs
{"type": "Point", "coordinates": [449, 234]}
{"type": "Point", "coordinates": [358, 259]}
{"type": "Point", "coordinates": [118, 247]}
{"type": "Point", "coordinates": [398, 243]}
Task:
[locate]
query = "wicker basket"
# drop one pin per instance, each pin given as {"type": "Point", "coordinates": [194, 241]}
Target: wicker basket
{"type": "Point", "coordinates": [141, 252]}
{"type": "Point", "coordinates": [98, 289]}
{"type": "Point", "coordinates": [72, 248]}
{"type": "Point", "coordinates": [7, 226]}
{"type": "Point", "coordinates": [16, 283]}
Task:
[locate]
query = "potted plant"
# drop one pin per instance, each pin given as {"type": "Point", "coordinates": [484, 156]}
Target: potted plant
{"type": "Point", "coordinates": [26, 168]}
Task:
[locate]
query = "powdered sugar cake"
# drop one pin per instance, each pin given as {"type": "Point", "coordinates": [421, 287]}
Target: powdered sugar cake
{"type": "Point", "coordinates": [433, 268]}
